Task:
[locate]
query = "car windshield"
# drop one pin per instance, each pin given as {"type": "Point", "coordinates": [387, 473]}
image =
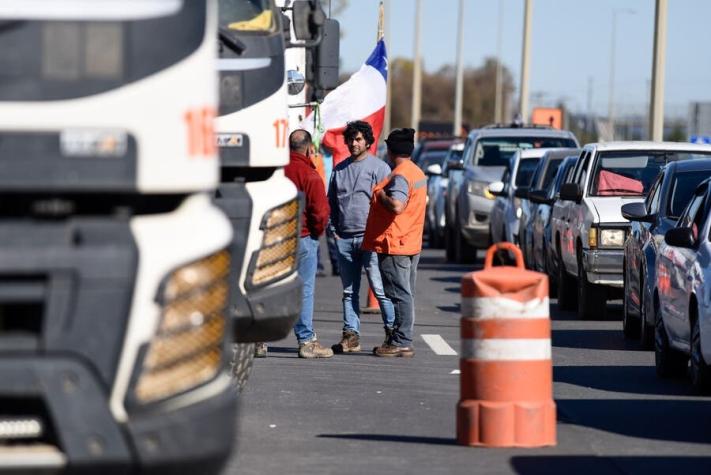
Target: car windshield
{"type": "Point", "coordinates": [451, 155]}
{"type": "Point", "coordinates": [431, 157]}
{"type": "Point", "coordinates": [524, 174]}
{"type": "Point", "coordinates": [551, 171]}
{"type": "Point", "coordinates": [631, 173]}
{"type": "Point", "coordinates": [496, 151]}
{"type": "Point", "coordinates": [247, 15]}
{"type": "Point", "coordinates": [682, 189]}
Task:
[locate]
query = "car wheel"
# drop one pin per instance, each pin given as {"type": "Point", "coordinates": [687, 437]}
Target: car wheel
{"type": "Point", "coordinates": [668, 361]}
{"type": "Point", "coordinates": [592, 298]}
{"type": "Point", "coordinates": [449, 244]}
{"type": "Point", "coordinates": [464, 252]}
{"type": "Point", "coordinates": [242, 359]}
{"type": "Point", "coordinates": [700, 371]}
{"type": "Point", "coordinates": [646, 332]}
{"type": "Point", "coordinates": [630, 324]}
{"type": "Point", "coordinates": [567, 295]}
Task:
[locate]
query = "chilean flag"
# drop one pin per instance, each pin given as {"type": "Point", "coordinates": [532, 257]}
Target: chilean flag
{"type": "Point", "coordinates": [362, 97]}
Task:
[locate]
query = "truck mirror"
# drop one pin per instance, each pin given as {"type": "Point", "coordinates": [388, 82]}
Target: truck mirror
{"type": "Point", "coordinates": [326, 57]}
{"type": "Point", "coordinates": [295, 82]}
{"type": "Point", "coordinates": [307, 18]}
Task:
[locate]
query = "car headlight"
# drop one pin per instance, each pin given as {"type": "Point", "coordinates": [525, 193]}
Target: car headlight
{"type": "Point", "coordinates": [480, 188]}
{"type": "Point", "coordinates": [518, 213]}
{"type": "Point", "coordinates": [612, 238]}
{"type": "Point", "coordinates": [187, 349]}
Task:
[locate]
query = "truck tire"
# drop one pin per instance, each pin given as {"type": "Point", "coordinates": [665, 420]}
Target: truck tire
{"type": "Point", "coordinates": [700, 371]}
{"type": "Point", "coordinates": [592, 298]}
{"type": "Point", "coordinates": [630, 324]}
{"type": "Point", "coordinates": [670, 363]}
{"type": "Point", "coordinates": [567, 294]}
{"type": "Point", "coordinates": [241, 365]}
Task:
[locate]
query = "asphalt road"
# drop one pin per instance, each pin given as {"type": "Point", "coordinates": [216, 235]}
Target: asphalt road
{"type": "Point", "coordinates": [356, 414]}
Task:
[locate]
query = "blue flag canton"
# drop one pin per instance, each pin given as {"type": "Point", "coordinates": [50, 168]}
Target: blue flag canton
{"type": "Point", "coordinates": [378, 59]}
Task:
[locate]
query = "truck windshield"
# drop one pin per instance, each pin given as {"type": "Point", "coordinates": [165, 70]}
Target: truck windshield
{"type": "Point", "coordinates": [247, 15]}
{"type": "Point", "coordinates": [496, 151]}
{"type": "Point", "coordinates": [631, 173]}
{"type": "Point", "coordinates": [49, 59]}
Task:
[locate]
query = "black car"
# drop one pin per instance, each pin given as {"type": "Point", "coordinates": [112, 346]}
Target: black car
{"type": "Point", "coordinates": [667, 198]}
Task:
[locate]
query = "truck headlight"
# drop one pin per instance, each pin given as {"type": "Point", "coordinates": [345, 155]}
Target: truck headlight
{"type": "Point", "coordinates": [480, 188]}
{"type": "Point", "coordinates": [612, 238]}
{"type": "Point", "coordinates": [276, 257]}
{"type": "Point", "coordinates": [187, 349]}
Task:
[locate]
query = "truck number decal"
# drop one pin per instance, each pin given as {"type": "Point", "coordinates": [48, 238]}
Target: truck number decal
{"type": "Point", "coordinates": [281, 127]}
{"type": "Point", "coordinates": [201, 134]}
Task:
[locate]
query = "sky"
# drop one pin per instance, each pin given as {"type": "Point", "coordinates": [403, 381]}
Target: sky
{"type": "Point", "coordinates": [571, 46]}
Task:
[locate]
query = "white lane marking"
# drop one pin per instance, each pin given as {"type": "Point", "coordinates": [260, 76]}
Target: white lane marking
{"type": "Point", "coordinates": [501, 349]}
{"type": "Point", "coordinates": [439, 346]}
{"type": "Point", "coordinates": [455, 371]}
{"type": "Point", "coordinates": [484, 308]}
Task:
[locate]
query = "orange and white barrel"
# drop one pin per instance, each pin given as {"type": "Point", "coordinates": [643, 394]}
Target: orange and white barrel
{"type": "Point", "coordinates": [506, 371]}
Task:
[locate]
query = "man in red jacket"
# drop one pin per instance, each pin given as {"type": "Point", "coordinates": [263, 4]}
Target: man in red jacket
{"type": "Point", "coordinates": [303, 173]}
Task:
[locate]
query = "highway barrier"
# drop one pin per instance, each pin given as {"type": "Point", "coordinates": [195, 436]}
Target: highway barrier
{"type": "Point", "coordinates": [506, 373]}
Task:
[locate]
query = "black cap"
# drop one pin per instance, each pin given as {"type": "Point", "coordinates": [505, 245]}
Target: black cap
{"type": "Point", "coordinates": [401, 141]}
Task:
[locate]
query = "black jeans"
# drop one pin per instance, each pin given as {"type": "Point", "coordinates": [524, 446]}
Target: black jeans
{"type": "Point", "coordinates": [399, 275]}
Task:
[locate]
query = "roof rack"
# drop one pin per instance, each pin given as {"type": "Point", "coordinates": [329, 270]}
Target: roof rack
{"type": "Point", "coordinates": [516, 125]}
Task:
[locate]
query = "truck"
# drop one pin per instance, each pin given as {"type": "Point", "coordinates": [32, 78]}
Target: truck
{"type": "Point", "coordinates": [115, 334]}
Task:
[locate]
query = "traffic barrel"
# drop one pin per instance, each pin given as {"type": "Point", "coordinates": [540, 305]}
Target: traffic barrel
{"type": "Point", "coordinates": [372, 306]}
{"type": "Point", "coordinates": [506, 373]}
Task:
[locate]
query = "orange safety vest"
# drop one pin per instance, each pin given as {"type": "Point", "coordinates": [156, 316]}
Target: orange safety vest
{"type": "Point", "coordinates": [398, 234]}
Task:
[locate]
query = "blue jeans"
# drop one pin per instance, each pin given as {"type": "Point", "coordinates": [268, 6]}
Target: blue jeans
{"type": "Point", "coordinates": [304, 327]}
{"type": "Point", "coordinates": [399, 279]}
{"type": "Point", "coordinates": [351, 260]}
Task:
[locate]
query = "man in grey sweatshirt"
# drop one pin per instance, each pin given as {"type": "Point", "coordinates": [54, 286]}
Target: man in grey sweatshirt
{"type": "Point", "coordinates": [349, 194]}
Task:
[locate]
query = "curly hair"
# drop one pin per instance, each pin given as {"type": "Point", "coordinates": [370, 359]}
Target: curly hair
{"type": "Point", "coordinates": [352, 129]}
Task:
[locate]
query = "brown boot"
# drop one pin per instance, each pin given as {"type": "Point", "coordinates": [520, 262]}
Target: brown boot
{"type": "Point", "coordinates": [388, 337]}
{"type": "Point", "coordinates": [389, 351]}
{"type": "Point", "coordinates": [350, 343]}
{"type": "Point", "coordinates": [313, 349]}
{"type": "Point", "coordinates": [260, 350]}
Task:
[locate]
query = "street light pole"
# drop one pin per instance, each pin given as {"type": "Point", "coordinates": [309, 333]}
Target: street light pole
{"type": "Point", "coordinates": [525, 61]}
{"type": "Point", "coordinates": [388, 93]}
{"type": "Point", "coordinates": [498, 100]}
{"type": "Point", "coordinates": [611, 89]}
{"type": "Point", "coordinates": [417, 70]}
{"type": "Point", "coordinates": [656, 102]}
{"type": "Point", "coordinates": [459, 80]}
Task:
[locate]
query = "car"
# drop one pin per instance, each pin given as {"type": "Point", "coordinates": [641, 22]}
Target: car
{"type": "Point", "coordinates": [428, 151]}
{"type": "Point", "coordinates": [503, 221]}
{"type": "Point", "coordinates": [680, 306]}
{"type": "Point", "coordinates": [588, 227]}
{"type": "Point", "coordinates": [650, 221]}
{"type": "Point", "coordinates": [437, 193]}
{"type": "Point", "coordinates": [486, 154]}
{"type": "Point", "coordinates": [542, 182]}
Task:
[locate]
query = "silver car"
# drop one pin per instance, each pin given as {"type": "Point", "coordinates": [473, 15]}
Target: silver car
{"type": "Point", "coordinates": [437, 194]}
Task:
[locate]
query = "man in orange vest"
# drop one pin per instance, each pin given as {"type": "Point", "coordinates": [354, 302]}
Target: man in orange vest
{"type": "Point", "coordinates": [394, 231]}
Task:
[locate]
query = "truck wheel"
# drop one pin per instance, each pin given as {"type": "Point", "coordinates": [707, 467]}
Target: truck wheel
{"type": "Point", "coordinates": [630, 324]}
{"type": "Point", "coordinates": [700, 371]}
{"type": "Point", "coordinates": [464, 252]}
{"type": "Point", "coordinates": [567, 294]}
{"type": "Point", "coordinates": [242, 359]}
{"type": "Point", "coordinates": [669, 362]}
{"type": "Point", "coordinates": [592, 298]}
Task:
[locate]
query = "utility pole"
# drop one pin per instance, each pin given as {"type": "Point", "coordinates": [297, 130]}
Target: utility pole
{"type": "Point", "coordinates": [459, 81]}
{"type": "Point", "coordinates": [590, 126]}
{"type": "Point", "coordinates": [417, 70]}
{"type": "Point", "coordinates": [385, 9]}
{"type": "Point", "coordinates": [656, 109]}
{"type": "Point", "coordinates": [499, 99]}
{"type": "Point", "coordinates": [525, 60]}
{"type": "Point", "coordinates": [611, 89]}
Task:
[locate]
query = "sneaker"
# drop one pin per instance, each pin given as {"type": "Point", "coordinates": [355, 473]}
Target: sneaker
{"type": "Point", "coordinates": [350, 343]}
{"type": "Point", "coordinates": [313, 349]}
{"type": "Point", "coordinates": [389, 350]}
{"type": "Point", "coordinates": [260, 350]}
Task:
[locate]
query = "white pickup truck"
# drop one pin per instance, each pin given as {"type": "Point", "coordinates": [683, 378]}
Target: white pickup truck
{"type": "Point", "coordinates": [587, 226]}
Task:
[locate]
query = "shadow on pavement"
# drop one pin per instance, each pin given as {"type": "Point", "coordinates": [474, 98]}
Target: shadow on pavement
{"type": "Point", "coordinates": [623, 379]}
{"type": "Point", "coordinates": [659, 419]}
{"type": "Point", "coordinates": [455, 279]}
{"type": "Point", "coordinates": [450, 308]}
{"type": "Point", "coordinates": [594, 340]}
{"type": "Point", "coordinates": [592, 465]}
{"type": "Point", "coordinates": [392, 438]}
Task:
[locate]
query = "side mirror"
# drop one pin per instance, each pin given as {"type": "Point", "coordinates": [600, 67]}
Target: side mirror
{"type": "Point", "coordinates": [434, 169]}
{"type": "Point", "coordinates": [539, 197]}
{"type": "Point", "coordinates": [636, 212]}
{"type": "Point", "coordinates": [497, 188]}
{"type": "Point", "coordinates": [295, 82]}
{"type": "Point", "coordinates": [307, 18]}
{"type": "Point", "coordinates": [680, 237]}
{"type": "Point", "coordinates": [521, 192]}
{"type": "Point", "coordinates": [571, 192]}
{"type": "Point", "coordinates": [455, 164]}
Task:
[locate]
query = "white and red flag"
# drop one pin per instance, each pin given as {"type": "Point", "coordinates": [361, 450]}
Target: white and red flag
{"type": "Point", "coordinates": [361, 97]}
